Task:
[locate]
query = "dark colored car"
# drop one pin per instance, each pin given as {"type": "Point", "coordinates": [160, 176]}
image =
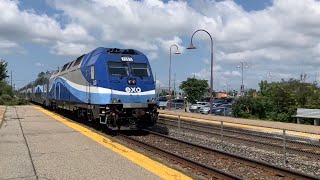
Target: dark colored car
{"type": "Point", "coordinates": [223, 110]}
{"type": "Point", "coordinates": [177, 104]}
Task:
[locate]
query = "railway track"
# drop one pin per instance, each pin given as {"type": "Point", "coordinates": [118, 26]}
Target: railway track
{"type": "Point", "coordinates": [210, 163]}
{"type": "Point", "coordinates": [205, 170]}
{"type": "Point", "coordinates": [293, 145]}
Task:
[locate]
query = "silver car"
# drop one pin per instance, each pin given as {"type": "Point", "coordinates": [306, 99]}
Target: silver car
{"type": "Point", "coordinates": [206, 109]}
{"type": "Point", "coordinates": [196, 107]}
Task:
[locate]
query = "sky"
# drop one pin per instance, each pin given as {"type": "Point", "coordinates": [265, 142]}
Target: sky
{"type": "Point", "coordinates": [273, 39]}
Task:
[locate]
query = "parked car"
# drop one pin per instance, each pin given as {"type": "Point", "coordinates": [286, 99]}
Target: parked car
{"type": "Point", "coordinates": [196, 107]}
{"type": "Point", "coordinates": [177, 104]}
{"type": "Point", "coordinates": [224, 109]}
{"type": "Point", "coordinates": [224, 112]}
{"type": "Point", "coordinates": [206, 109]}
{"type": "Point", "coordinates": [162, 102]}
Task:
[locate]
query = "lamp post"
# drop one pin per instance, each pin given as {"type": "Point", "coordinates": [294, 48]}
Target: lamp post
{"type": "Point", "coordinates": [191, 46]}
{"type": "Point", "coordinates": [242, 87]}
{"type": "Point", "coordinates": [177, 52]}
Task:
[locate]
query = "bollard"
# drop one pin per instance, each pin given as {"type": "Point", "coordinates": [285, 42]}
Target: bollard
{"type": "Point", "coordinates": [179, 122]}
{"type": "Point", "coordinates": [221, 133]}
{"type": "Point", "coordinates": [284, 148]}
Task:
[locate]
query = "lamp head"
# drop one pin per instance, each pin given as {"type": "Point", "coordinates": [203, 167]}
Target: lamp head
{"type": "Point", "coordinates": [238, 66]}
{"type": "Point", "coordinates": [177, 52]}
{"type": "Point", "coordinates": [191, 46]}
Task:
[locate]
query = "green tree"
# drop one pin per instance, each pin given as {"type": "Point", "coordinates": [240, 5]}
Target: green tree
{"type": "Point", "coordinates": [42, 78]}
{"type": "Point", "coordinates": [163, 93]}
{"type": "Point", "coordinates": [5, 88]}
{"type": "Point", "coordinates": [3, 69]}
{"type": "Point", "coordinates": [194, 89]}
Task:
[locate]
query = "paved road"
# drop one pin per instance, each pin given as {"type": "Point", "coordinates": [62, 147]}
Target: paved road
{"type": "Point", "coordinates": [36, 146]}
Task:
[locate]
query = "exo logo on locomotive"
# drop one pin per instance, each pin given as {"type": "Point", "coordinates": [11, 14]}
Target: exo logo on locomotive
{"type": "Point", "coordinates": [133, 89]}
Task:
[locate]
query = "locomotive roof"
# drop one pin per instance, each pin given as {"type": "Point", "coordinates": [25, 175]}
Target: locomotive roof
{"type": "Point", "coordinates": [114, 54]}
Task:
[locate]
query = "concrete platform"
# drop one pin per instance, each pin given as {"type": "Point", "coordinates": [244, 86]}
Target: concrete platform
{"type": "Point", "coordinates": [34, 145]}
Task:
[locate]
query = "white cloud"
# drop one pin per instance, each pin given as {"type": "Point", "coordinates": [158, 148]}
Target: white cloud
{"type": "Point", "coordinates": [17, 26]}
{"type": "Point", "coordinates": [281, 38]}
{"type": "Point", "coordinates": [145, 25]}
{"type": "Point", "coordinates": [152, 56]}
{"type": "Point", "coordinates": [71, 49]}
{"type": "Point", "coordinates": [38, 64]}
{"type": "Point", "coordinates": [5, 44]}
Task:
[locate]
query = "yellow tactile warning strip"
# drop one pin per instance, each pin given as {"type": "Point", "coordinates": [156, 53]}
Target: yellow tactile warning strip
{"type": "Point", "coordinates": [249, 127]}
{"type": "Point", "coordinates": [153, 166]}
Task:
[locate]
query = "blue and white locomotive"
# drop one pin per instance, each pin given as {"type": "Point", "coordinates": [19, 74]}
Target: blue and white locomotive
{"type": "Point", "coordinates": [112, 86]}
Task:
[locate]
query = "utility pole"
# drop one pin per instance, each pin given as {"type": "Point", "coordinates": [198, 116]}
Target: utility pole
{"type": "Point", "coordinates": [174, 85]}
{"type": "Point", "coordinates": [11, 83]}
{"type": "Point", "coordinates": [155, 82]}
{"type": "Point", "coordinates": [242, 86]}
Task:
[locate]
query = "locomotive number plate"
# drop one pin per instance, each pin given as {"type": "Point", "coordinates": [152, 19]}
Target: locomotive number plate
{"type": "Point", "coordinates": [126, 59]}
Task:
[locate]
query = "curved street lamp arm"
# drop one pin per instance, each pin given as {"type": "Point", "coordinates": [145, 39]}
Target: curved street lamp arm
{"type": "Point", "coordinates": [203, 31]}
{"type": "Point", "coordinates": [211, 66]}
{"type": "Point", "coordinates": [174, 45]}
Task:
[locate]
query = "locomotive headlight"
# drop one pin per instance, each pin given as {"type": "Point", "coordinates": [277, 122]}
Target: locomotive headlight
{"type": "Point", "coordinates": [133, 81]}
{"type": "Point", "coordinates": [129, 81]}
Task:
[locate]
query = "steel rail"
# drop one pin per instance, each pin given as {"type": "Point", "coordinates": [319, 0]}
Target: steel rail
{"type": "Point", "coordinates": [208, 172]}
{"type": "Point", "coordinates": [253, 163]}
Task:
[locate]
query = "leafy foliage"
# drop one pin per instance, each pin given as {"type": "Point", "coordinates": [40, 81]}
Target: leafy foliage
{"type": "Point", "coordinates": [278, 101]}
{"type": "Point", "coordinates": [3, 70]}
{"type": "Point", "coordinates": [6, 94]}
{"type": "Point", "coordinates": [194, 89]}
{"type": "Point", "coordinates": [42, 78]}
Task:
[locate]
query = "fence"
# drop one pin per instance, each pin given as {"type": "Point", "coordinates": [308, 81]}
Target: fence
{"type": "Point", "coordinates": [278, 146]}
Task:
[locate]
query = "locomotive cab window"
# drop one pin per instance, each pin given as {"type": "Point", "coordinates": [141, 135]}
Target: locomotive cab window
{"type": "Point", "coordinates": [140, 69]}
{"type": "Point", "coordinates": [118, 68]}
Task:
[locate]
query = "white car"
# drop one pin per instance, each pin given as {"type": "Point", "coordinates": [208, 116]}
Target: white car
{"type": "Point", "coordinates": [196, 107]}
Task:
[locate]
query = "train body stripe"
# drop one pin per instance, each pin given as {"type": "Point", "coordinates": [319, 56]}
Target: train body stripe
{"type": "Point", "coordinates": [100, 90]}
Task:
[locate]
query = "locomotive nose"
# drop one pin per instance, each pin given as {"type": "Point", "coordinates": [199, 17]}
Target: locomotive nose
{"type": "Point", "coordinates": [132, 81]}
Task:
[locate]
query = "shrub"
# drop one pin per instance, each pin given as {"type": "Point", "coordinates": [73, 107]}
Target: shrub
{"type": "Point", "coordinates": [5, 98]}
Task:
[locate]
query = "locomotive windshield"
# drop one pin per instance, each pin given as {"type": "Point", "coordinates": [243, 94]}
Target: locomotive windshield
{"type": "Point", "coordinates": [140, 69]}
{"type": "Point", "coordinates": [118, 68]}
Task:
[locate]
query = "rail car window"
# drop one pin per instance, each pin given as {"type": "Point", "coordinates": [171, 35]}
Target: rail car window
{"type": "Point", "coordinates": [70, 65]}
{"type": "Point", "coordinates": [78, 61]}
{"type": "Point", "coordinates": [140, 69]}
{"type": "Point", "coordinates": [118, 68]}
{"type": "Point", "coordinates": [65, 67]}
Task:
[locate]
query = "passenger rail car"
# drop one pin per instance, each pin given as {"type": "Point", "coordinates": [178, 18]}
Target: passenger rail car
{"type": "Point", "coordinates": [112, 86]}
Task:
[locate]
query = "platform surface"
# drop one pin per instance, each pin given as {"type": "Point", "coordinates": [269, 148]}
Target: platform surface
{"type": "Point", "coordinates": [34, 145]}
